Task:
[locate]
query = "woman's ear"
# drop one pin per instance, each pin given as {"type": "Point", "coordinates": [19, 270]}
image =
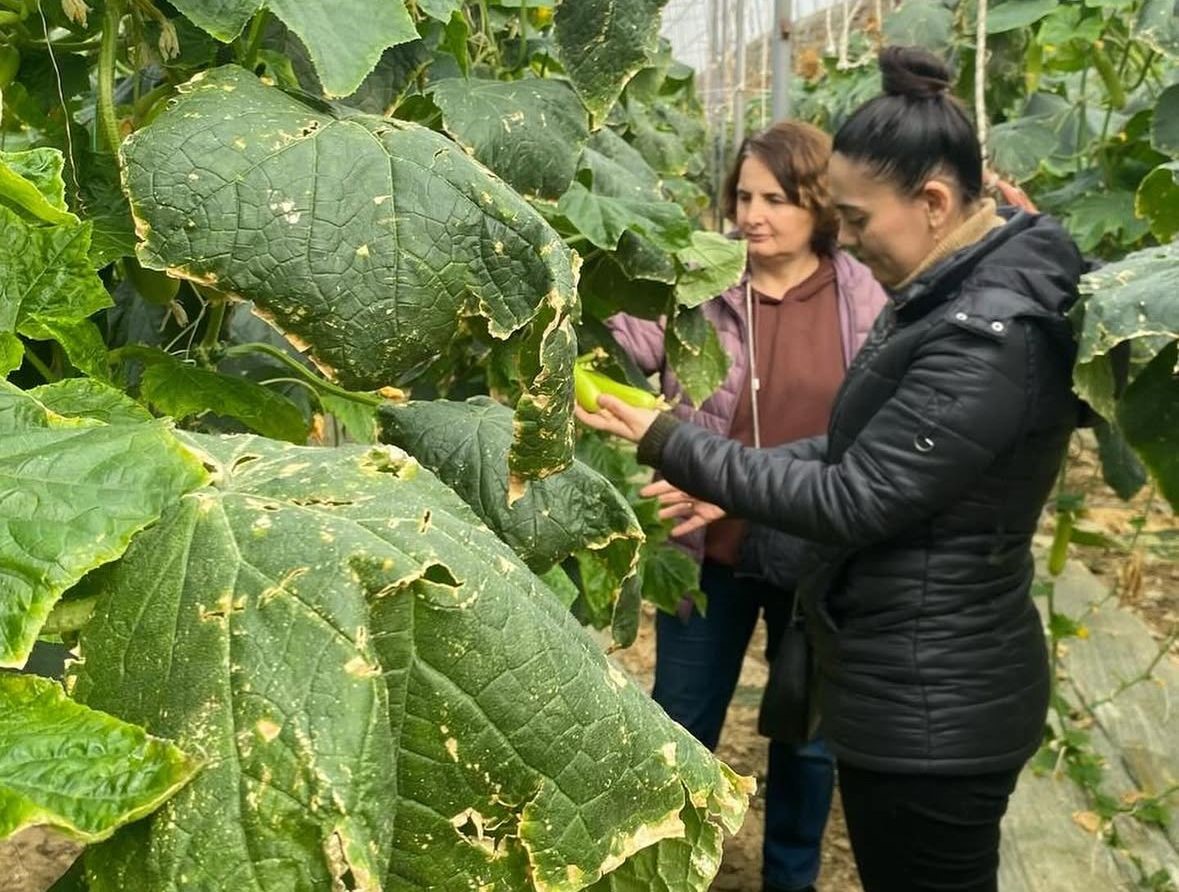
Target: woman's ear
{"type": "Point", "coordinates": [941, 206]}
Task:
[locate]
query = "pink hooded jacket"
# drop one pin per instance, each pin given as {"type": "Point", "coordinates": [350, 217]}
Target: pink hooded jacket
{"type": "Point", "coordinates": [860, 299]}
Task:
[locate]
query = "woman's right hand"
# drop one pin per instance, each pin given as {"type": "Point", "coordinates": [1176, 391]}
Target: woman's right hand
{"type": "Point", "coordinates": [675, 502]}
{"type": "Point", "coordinates": [617, 418]}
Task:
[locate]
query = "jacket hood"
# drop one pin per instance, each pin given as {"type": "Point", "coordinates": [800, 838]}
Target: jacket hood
{"type": "Point", "coordinates": [1032, 255]}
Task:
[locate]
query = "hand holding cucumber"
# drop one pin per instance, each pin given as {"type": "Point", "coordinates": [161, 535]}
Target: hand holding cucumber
{"type": "Point", "coordinates": [607, 405]}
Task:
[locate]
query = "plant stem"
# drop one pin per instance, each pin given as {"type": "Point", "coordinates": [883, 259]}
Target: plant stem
{"type": "Point", "coordinates": [1053, 649]}
{"type": "Point", "coordinates": [69, 46]}
{"type": "Point", "coordinates": [367, 399]}
{"type": "Point", "coordinates": [523, 34]}
{"type": "Point", "coordinates": [147, 101]}
{"type": "Point", "coordinates": [1145, 675]}
{"type": "Point", "coordinates": [1102, 148]}
{"type": "Point", "coordinates": [216, 320]}
{"type": "Point", "coordinates": [108, 125]}
{"type": "Point", "coordinates": [42, 369]}
{"type": "Point", "coordinates": [1146, 69]}
{"type": "Point", "coordinates": [254, 40]}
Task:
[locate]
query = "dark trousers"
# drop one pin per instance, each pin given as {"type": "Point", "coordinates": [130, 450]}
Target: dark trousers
{"type": "Point", "coordinates": [697, 664]}
{"type": "Point", "coordinates": [925, 833]}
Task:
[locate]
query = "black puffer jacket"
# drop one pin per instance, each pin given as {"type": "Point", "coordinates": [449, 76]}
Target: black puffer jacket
{"type": "Point", "coordinates": [944, 444]}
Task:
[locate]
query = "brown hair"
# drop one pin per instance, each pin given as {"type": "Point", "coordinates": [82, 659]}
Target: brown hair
{"type": "Point", "coordinates": [797, 154]}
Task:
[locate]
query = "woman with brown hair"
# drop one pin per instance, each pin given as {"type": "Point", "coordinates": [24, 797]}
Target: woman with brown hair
{"type": "Point", "coordinates": [790, 327]}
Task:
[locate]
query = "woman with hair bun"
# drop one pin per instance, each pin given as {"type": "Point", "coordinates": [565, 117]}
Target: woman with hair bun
{"type": "Point", "coordinates": [944, 443]}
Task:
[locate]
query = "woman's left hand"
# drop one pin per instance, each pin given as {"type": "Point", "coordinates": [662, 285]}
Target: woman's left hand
{"type": "Point", "coordinates": [616, 417]}
{"type": "Point", "coordinates": [1011, 193]}
{"type": "Point", "coordinates": [693, 514]}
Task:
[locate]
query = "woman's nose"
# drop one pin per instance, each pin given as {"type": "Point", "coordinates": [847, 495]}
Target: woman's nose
{"type": "Point", "coordinates": [846, 239]}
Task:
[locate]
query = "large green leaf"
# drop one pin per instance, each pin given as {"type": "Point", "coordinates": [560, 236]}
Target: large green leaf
{"type": "Point", "coordinates": [603, 43]}
{"type": "Point", "coordinates": [1158, 200]}
{"type": "Point", "coordinates": [385, 696]}
{"type": "Point", "coordinates": [369, 238]}
{"type": "Point", "coordinates": [574, 511]}
{"type": "Point", "coordinates": [83, 397]}
{"type": "Point", "coordinates": [1158, 26]}
{"type": "Point", "coordinates": [80, 338]}
{"type": "Point", "coordinates": [65, 766]}
{"type": "Point", "coordinates": [345, 37]}
{"type": "Point", "coordinates": [1018, 147]}
{"type": "Point", "coordinates": [1096, 215]}
{"type": "Point", "coordinates": [224, 19]}
{"type": "Point", "coordinates": [1164, 135]}
{"type": "Point", "coordinates": [711, 265]}
{"type": "Point", "coordinates": [182, 390]}
{"type": "Point", "coordinates": [1120, 467]}
{"type": "Point", "coordinates": [441, 10]}
{"type": "Point", "coordinates": [924, 23]}
{"type": "Point", "coordinates": [1069, 22]}
{"type": "Point", "coordinates": [12, 353]}
{"type": "Point", "coordinates": [392, 80]}
{"type": "Point", "coordinates": [1131, 315]}
{"type": "Point", "coordinates": [45, 272]}
{"type": "Point", "coordinates": [606, 289]}
{"type": "Point", "coordinates": [695, 354]}
{"type": "Point", "coordinates": [603, 219]}
{"type": "Point", "coordinates": [380, 93]}
{"type": "Point", "coordinates": [659, 136]}
{"type": "Point", "coordinates": [640, 259]}
{"type": "Point", "coordinates": [359, 419]}
{"type": "Point", "coordinates": [101, 201]}
{"type": "Point", "coordinates": [1148, 416]}
{"type": "Point", "coordinates": [1012, 14]}
{"type": "Point", "coordinates": [670, 574]}
{"type": "Point", "coordinates": [618, 169]}
{"type": "Point", "coordinates": [47, 283]}
{"type": "Point", "coordinates": [529, 131]}
{"type": "Point", "coordinates": [31, 182]}
{"type": "Point", "coordinates": [75, 492]}
{"type": "Point", "coordinates": [684, 864]}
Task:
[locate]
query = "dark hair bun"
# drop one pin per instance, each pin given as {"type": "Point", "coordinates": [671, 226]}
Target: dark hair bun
{"type": "Point", "coordinates": [913, 73]}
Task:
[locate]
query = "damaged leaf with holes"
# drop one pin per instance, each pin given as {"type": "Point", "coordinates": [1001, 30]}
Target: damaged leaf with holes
{"type": "Point", "coordinates": [368, 238]}
{"type": "Point", "coordinates": [384, 695]}
{"type": "Point", "coordinates": [575, 511]}
{"type": "Point", "coordinates": [1126, 359]}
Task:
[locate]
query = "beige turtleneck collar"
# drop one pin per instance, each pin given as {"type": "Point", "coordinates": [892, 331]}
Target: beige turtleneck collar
{"type": "Point", "coordinates": [973, 229]}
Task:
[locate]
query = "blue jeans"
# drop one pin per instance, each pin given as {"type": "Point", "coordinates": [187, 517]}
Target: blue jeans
{"type": "Point", "coordinates": [697, 664]}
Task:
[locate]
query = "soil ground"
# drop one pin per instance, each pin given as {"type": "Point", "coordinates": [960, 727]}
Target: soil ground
{"type": "Point", "coordinates": [34, 859]}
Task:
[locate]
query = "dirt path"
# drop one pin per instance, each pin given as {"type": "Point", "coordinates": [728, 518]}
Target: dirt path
{"type": "Point", "coordinates": [745, 751]}
{"type": "Point", "coordinates": [33, 860]}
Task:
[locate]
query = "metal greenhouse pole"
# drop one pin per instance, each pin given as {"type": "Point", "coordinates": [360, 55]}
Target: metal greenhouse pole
{"type": "Point", "coordinates": [783, 61]}
{"type": "Point", "coordinates": [739, 78]}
